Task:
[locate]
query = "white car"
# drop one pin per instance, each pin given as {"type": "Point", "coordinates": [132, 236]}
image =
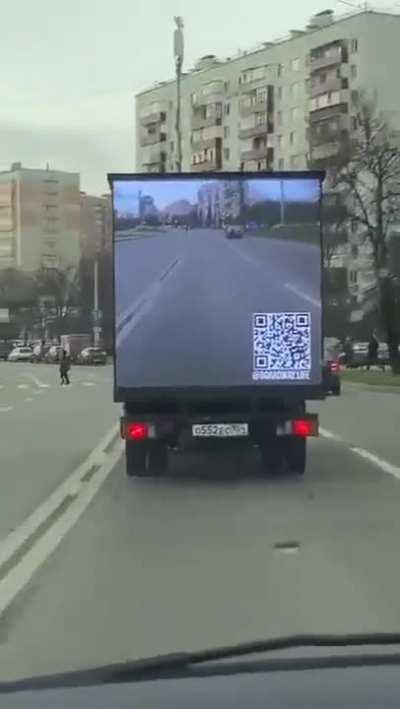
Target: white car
{"type": "Point", "coordinates": [20, 354]}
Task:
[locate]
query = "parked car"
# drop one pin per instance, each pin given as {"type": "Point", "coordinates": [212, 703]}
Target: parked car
{"type": "Point", "coordinates": [331, 371]}
{"type": "Point", "coordinates": [234, 231]}
{"type": "Point", "coordinates": [92, 355]}
{"type": "Point", "coordinates": [53, 354]}
{"type": "Point", "coordinates": [5, 348]}
{"type": "Point", "coordinates": [20, 354]}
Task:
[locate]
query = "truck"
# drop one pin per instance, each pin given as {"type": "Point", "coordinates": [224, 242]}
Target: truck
{"type": "Point", "coordinates": [218, 342]}
{"type": "Point", "coordinates": [75, 343]}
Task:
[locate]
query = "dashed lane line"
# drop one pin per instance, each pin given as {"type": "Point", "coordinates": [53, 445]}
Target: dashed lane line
{"type": "Point", "coordinates": [381, 463]}
{"type": "Point", "coordinates": [5, 409]}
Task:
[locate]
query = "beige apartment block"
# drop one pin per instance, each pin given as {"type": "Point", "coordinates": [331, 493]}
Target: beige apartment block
{"type": "Point", "coordinates": [39, 218]}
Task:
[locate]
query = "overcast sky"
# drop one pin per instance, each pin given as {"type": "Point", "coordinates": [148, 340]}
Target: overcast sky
{"type": "Point", "coordinates": [69, 70]}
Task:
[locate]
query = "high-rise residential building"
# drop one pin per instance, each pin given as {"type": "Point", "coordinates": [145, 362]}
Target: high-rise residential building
{"type": "Point", "coordinates": [95, 224]}
{"type": "Point", "coordinates": [39, 218]}
{"type": "Point", "coordinates": [277, 106]}
{"type": "Point", "coordinates": [283, 105]}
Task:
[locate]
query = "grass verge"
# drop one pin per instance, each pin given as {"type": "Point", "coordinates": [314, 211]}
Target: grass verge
{"type": "Point", "coordinates": [372, 378]}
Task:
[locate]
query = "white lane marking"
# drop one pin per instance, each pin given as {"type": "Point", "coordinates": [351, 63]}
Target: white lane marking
{"type": "Point", "coordinates": [28, 399]}
{"type": "Point", "coordinates": [384, 465]}
{"type": "Point", "coordinates": [328, 434]}
{"type": "Point", "coordinates": [5, 409]}
{"type": "Point", "coordinates": [1, 386]}
{"type": "Point", "coordinates": [21, 534]}
{"type": "Point", "coordinates": [305, 296]}
{"type": "Point", "coordinates": [37, 381]}
{"type": "Point", "coordinates": [22, 386]}
{"type": "Point", "coordinates": [89, 384]}
{"type": "Point", "coordinates": [22, 573]}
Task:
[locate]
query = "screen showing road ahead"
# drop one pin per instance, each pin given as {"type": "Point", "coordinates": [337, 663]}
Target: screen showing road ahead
{"type": "Point", "coordinates": [217, 281]}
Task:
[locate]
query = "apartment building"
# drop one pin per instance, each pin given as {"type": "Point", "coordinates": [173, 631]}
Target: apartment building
{"type": "Point", "coordinates": [39, 218]}
{"type": "Point", "coordinates": [281, 106]}
{"type": "Point", "coordinates": [95, 224]}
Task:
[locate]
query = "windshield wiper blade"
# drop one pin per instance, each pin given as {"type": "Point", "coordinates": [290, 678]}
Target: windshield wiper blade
{"type": "Point", "coordinates": [180, 664]}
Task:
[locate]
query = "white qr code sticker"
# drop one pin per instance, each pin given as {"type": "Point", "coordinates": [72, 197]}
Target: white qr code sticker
{"type": "Point", "coordinates": [282, 346]}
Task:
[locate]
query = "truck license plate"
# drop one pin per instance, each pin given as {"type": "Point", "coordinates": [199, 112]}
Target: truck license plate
{"type": "Point", "coordinates": [220, 430]}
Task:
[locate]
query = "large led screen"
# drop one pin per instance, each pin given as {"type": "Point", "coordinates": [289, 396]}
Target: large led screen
{"type": "Point", "coordinates": [217, 281]}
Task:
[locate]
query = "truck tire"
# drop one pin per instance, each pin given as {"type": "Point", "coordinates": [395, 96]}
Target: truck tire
{"type": "Point", "coordinates": [337, 390]}
{"type": "Point", "coordinates": [157, 460]}
{"type": "Point", "coordinates": [272, 457]}
{"type": "Point", "coordinates": [136, 455]}
{"type": "Point", "coordinates": [297, 456]}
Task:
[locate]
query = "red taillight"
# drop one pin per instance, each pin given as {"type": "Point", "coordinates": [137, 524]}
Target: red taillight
{"type": "Point", "coordinates": [136, 431]}
{"type": "Point", "coordinates": [303, 428]}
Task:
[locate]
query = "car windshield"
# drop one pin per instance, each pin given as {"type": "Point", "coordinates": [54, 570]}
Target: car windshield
{"type": "Point", "coordinates": [199, 326]}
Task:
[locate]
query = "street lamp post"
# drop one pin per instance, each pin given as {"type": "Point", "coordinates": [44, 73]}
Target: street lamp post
{"type": "Point", "coordinates": [178, 56]}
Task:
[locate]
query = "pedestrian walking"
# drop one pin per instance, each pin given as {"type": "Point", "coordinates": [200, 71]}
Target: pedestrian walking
{"type": "Point", "coordinates": [348, 351]}
{"type": "Point", "coordinates": [65, 366]}
{"type": "Point", "coordinates": [373, 347]}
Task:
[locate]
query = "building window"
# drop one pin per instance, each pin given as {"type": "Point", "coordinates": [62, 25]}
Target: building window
{"type": "Point", "coordinates": [280, 93]}
{"type": "Point", "coordinates": [354, 46]}
{"type": "Point", "coordinates": [292, 137]}
{"type": "Point", "coordinates": [227, 109]}
{"type": "Point", "coordinates": [354, 123]}
{"type": "Point", "coordinates": [294, 161]}
{"type": "Point", "coordinates": [280, 141]}
{"type": "Point", "coordinates": [226, 85]}
{"type": "Point", "coordinates": [354, 251]}
{"type": "Point", "coordinates": [259, 166]}
{"type": "Point", "coordinates": [354, 277]}
{"type": "Point", "coordinates": [226, 132]}
{"type": "Point", "coordinates": [279, 118]}
{"type": "Point", "coordinates": [353, 71]}
{"type": "Point", "coordinates": [227, 154]}
{"type": "Point", "coordinates": [281, 164]}
{"type": "Point", "coordinates": [294, 114]}
{"type": "Point", "coordinates": [171, 146]}
{"type": "Point", "coordinates": [280, 70]}
{"type": "Point", "coordinates": [295, 64]}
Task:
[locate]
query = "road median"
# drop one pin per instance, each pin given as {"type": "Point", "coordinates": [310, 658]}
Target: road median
{"type": "Point", "coordinates": [373, 378]}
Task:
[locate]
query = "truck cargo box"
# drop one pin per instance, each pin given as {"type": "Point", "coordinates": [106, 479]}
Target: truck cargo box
{"type": "Point", "coordinates": [217, 286]}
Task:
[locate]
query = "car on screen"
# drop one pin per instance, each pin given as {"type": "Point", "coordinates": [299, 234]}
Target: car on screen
{"type": "Point", "coordinates": [234, 231]}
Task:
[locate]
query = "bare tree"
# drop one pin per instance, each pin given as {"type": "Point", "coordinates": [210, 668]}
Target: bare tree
{"type": "Point", "coordinates": [371, 179]}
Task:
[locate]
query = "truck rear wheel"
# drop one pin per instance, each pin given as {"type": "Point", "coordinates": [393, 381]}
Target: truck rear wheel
{"type": "Point", "coordinates": [297, 455]}
{"type": "Point", "coordinates": [157, 461]}
{"type": "Point", "coordinates": [135, 458]}
{"type": "Point", "coordinates": [272, 458]}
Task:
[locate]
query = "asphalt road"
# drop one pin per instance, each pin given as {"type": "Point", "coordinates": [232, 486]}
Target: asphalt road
{"type": "Point", "coordinates": [185, 299]}
{"type": "Point", "coordinates": [196, 559]}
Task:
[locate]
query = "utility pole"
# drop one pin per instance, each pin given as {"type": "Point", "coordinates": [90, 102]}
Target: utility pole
{"type": "Point", "coordinates": [178, 56]}
{"type": "Point", "coordinates": [96, 313]}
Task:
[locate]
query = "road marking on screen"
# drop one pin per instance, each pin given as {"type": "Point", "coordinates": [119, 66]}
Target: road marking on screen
{"type": "Point", "coordinates": [79, 490]}
{"type": "Point", "coordinates": [134, 314]}
{"type": "Point", "coordinates": [22, 386]}
{"type": "Point", "coordinates": [5, 409]}
{"type": "Point", "coordinates": [305, 296]}
{"type": "Point", "coordinates": [384, 465]}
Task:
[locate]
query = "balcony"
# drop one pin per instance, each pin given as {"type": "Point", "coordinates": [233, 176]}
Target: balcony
{"type": "Point", "coordinates": [201, 121]}
{"type": "Point", "coordinates": [213, 93]}
{"type": "Point", "coordinates": [254, 154]}
{"type": "Point", "coordinates": [148, 119]}
{"type": "Point", "coordinates": [328, 112]}
{"type": "Point", "coordinates": [156, 157]}
{"type": "Point", "coordinates": [325, 87]}
{"type": "Point", "coordinates": [153, 138]}
{"type": "Point", "coordinates": [333, 56]}
{"type": "Point", "coordinates": [249, 109]}
{"type": "Point", "coordinates": [207, 166]}
{"type": "Point", "coordinates": [325, 150]}
{"type": "Point", "coordinates": [255, 131]}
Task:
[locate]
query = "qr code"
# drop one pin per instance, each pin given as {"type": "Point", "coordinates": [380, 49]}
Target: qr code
{"type": "Point", "coordinates": [282, 346]}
